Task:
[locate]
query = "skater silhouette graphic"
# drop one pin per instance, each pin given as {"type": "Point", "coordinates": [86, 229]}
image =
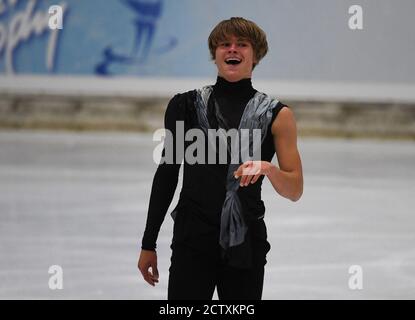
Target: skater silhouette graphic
{"type": "Point", "coordinates": [148, 12]}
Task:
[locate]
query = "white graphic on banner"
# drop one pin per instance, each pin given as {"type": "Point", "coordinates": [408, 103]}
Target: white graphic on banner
{"type": "Point", "coordinates": [22, 27]}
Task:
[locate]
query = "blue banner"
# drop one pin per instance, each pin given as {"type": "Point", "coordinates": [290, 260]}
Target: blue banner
{"type": "Point", "coordinates": [308, 40]}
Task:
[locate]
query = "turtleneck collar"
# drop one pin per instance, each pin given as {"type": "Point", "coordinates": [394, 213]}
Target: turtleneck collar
{"type": "Point", "coordinates": [243, 86]}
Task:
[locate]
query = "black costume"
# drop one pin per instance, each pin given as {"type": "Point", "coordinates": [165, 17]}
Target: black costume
{"type": "Point", "coordinates": [198, 261]}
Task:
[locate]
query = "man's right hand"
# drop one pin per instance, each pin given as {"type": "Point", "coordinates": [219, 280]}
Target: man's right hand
{"type": "Point", "coordinates": [147, 260]}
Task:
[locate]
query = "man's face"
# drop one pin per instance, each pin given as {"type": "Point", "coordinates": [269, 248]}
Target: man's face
{"type": "Point", "coordinates": [234, 59]}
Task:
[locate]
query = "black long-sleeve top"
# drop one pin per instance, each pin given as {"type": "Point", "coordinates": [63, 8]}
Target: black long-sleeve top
{"type": "Point", "coordinates": [206, 183]}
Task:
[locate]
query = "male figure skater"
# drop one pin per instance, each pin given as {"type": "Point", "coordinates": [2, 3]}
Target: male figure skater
{"type": "Point", "coordinates": [219, 236]}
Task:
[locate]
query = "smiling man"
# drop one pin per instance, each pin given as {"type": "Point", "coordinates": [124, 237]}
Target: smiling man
{"type": "Point", "coordinates": [234, 58]}
{"type": "Point", "coordinates": [219, 236]}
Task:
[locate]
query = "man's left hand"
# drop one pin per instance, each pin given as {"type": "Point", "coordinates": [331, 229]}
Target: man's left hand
{"type": "Point", "coordinates": [250, 171]}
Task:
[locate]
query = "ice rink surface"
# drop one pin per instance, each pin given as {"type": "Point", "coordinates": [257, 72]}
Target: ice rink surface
{"type": "Point", "coordinates": [79, 200]}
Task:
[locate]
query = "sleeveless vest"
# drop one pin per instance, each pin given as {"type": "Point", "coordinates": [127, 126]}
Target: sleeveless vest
{"type": "Point", "coordinates": [257, 115]}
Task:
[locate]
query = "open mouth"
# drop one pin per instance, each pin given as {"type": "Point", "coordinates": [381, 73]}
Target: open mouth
{"type": "Point", "coordinates": [233, 61]}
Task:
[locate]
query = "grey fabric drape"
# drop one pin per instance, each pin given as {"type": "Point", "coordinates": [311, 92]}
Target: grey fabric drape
{"type": "Point", "coordinates": [257, 115]}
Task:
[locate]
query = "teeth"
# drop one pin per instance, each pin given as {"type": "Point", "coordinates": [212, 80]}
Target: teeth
{"type": "Point", "coordinates": [233, 61]}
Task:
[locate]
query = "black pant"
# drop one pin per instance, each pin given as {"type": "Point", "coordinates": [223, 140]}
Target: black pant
{"type": "Point", "coordinates": [197, 265]}
{"type": "Point", "coordinates": [194, 276]}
